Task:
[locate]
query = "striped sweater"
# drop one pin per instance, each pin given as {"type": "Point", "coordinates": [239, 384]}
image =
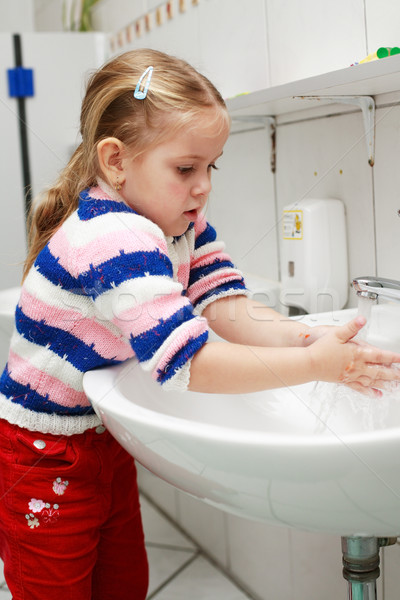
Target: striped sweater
{"type": "Point", "coordinates": [109, 286]}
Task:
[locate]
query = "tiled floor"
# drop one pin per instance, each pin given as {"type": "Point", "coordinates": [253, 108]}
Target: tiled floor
{"type": "Point", "coordinates": [178, 569]}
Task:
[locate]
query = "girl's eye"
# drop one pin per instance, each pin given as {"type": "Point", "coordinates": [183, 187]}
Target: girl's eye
{"type": "Point", "coordinates": [213, 166]}
{"type": "Point", "coordinates": [185, 170]}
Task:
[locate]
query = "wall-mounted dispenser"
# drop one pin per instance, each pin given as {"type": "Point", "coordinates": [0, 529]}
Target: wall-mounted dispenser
{"type": "Point", "coordinates": [314, 255]}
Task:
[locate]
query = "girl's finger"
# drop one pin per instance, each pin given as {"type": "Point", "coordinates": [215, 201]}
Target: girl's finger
{"type": "Point", "coordinates": [346, 332]}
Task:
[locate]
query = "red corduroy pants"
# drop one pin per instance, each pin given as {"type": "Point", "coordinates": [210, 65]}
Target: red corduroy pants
{"type": "Point", "coordinates": [70, 523]}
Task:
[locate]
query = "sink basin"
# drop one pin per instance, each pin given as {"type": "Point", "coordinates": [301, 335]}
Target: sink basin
{"type": "Point", "coordinates": [316, 457]}
{"type": "Point", "coordinates": [8, 302]}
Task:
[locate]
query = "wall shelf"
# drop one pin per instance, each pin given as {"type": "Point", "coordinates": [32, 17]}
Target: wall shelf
{"type": "Point", "coordinates": [368, 79]}
{"type": "Point", "coordinates": [354, 85]}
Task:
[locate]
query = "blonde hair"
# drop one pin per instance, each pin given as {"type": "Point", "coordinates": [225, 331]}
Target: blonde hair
{"type": "Point", "coordinates": [176, 96]}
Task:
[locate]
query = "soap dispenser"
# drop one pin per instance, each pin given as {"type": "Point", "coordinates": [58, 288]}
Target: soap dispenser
{"type": "Point", "coordinates": [314, 256]}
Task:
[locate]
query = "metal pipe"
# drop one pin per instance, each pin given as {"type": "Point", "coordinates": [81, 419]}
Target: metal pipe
{"type": "Point", "coordinates": [361, 565]}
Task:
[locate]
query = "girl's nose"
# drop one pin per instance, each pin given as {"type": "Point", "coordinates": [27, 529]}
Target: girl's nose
{"type": "Point", "coordinates": [202, 186]}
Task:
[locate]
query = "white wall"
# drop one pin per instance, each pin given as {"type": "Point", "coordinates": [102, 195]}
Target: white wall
{"type": "Point", "coordinates": [16, 16]}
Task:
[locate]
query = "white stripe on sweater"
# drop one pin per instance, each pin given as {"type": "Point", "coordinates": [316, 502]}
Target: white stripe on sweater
{"type": "Point", "coordinates": [44, 422]}
{"type": "Point", "coordinates": [47, 361]}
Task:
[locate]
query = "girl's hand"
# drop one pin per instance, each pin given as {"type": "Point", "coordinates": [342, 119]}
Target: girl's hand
{"type": "Point", "coordinates": [312, 334]}
{"type": "Point", "coordinates": [336, 358]}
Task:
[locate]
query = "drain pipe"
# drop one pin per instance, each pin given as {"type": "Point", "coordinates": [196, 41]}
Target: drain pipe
{"type": "Point", "coordinates": [361, 565]}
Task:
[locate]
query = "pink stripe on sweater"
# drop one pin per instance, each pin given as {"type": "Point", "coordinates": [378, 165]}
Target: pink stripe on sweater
{"type": "Point", "coordinates": [200, 225]}
{"type": "Point", "coordinates": [89, 331]}
{"type": "Point", "coordinates": [207, 284]}
{"type": "Point", "coordinates": [101, 249]}
{"type": "Point", "coordinates": [142, 317]}
{"type": "Point", "coordinates": [183, 274]}
{"type": "Point", "coordinates": [24, 373]}
{"type": "Point", "coordinates": [197, 327]}
{"type": "Point", "coordinates": [208, 259]}
{"type": "Point", "coordinates": [98, 194]}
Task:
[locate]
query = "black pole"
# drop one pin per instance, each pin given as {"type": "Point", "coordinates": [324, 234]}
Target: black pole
{"type": "Point", "coordinates": [23, 131]}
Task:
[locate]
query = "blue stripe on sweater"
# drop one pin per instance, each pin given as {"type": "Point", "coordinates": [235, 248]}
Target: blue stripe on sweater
{"type": "Point", "coordinates": [89, 207]}
{"type": "Point", "coordinates": [221, 289]}
{"type": "Point", "coordinates": [32, 400]}
{"type": "Point", "coordinates": [49, 266]}
{"type": "Point", "coordinates": [207, 236]}
{"type": "Point", "coordinates": [103, 277]}
{"type": "Point", "coordinates": [146, 344]}
{"type": "Point", "coordinates": [182, 357]}
{"type": "Point", "coordinates": [199, 272]}
{"type": "Point", "coordinates": [123, 267]}
{"type": "Point", "coordinates": [62, 343]}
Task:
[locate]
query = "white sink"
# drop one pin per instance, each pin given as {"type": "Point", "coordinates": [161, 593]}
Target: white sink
{"type": "Point", "coordinates": [8, 302]}
{"type": "Point", "coordinates": [281, 456]}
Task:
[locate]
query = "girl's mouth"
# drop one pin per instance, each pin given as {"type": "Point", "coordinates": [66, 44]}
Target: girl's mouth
{"type": "Point", "coordinates": [191, 214]}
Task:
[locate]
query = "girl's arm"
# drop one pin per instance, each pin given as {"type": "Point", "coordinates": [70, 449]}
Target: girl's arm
{"type": "Point", "coordinates": [240, 320]}
{"type": "Point", "coordinates": [236, 368]}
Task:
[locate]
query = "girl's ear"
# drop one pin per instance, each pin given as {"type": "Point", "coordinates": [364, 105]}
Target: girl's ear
{"type": "Point", "coordinates": [110, 153]}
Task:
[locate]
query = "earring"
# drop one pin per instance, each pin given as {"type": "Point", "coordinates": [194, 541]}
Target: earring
{"type": "Point", "coordinates": [117, 186]}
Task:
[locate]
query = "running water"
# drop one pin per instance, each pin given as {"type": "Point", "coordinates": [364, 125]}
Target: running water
{"type": "Point", "coordinates": [337, 403]}
{"type": "Point", "coordinates": [364, 310]}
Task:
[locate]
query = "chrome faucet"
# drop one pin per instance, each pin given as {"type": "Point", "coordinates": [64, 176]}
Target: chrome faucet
{"type": "Point", "coordinates": [373, 287]}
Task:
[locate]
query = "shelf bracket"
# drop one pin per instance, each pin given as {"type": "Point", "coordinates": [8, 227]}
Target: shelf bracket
{"type": "Point", "coordinates": [264, 122]}
{"type": "Point", "coordinates": [367, 106]}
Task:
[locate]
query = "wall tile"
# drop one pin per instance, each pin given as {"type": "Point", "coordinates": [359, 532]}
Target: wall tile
{"type": "Point", "coordinates": [390, 578]}
{"type": "Point", "coordinates": [178, 36]}
{"type": "Point", "coordinates": [114, 15]}
{"type": "Point", "coordinates": [327, 158]}
{"type": "Point", "coordinates": [311, 37]}
{"type": "Point", "coordinates": [161, 493]}
{"type": "Point", "coordinates": [382, 23]}
{"type": "Point", "coordinates": [242, 204]}
{"type": "Point", "coordinates": [259, 556]}
{"type": "Point", "coordinates": [387, 196]}
{"type": "Point", "coordinates": [226, 29]}
{"type": "Point", "coordinates": [205, 524]}
{"type": "Point", "coordinates": [317, 566]}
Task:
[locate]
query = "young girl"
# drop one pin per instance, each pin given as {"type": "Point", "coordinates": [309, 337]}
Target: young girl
{"type": "Point", "coordinates": [123, 264]}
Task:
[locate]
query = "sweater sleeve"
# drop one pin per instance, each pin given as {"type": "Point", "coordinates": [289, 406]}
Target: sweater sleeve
{"type": "Point", "coordinates": [131, 283]}
{"type": "Point", "coordinates": [212, 273]}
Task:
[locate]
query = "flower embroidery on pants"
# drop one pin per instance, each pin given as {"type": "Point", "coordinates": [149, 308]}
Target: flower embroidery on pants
{"type": "Point", "coordinates": [36, 505]}
{"type": "Point", "coordinates": [49, 514]}
{"type": "Point", "coordinates": [59, 486]}
{"type": "Point", "coordinates": [32, 521]}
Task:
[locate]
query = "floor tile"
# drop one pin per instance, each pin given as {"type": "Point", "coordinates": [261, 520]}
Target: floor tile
{"type": "Point", "coordinates": [200, 581]}
{"type": "Point", "coordinates": [158, 529]}
{"type": "Point", "coordinates": [165, 564]}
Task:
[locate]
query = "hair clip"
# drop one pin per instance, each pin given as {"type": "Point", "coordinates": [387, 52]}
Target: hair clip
{"type": "Point", "coordinates": [141, 89]}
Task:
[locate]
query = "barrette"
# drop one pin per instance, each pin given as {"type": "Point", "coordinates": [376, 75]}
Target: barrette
{"type": "Point", "coordinates": [142, 87]}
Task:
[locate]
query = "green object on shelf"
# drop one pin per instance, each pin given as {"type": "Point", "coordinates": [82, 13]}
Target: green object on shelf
{"type": "Point", "coordinates": [387, 51]}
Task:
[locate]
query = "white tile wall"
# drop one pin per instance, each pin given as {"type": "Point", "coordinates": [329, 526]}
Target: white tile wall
{"type": "Point", "coordinates": [226, 28]}
{"type": "Point", "coordinates": [244, 194]}
{"type": "Point", "coordinates": [382, 19]}
{"type": "Point", "coordinates": [326, 158]}
{"type": "Point", "coordinates": [311, 37]}
{"type": "Point", "coordinates": [387, 196]}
